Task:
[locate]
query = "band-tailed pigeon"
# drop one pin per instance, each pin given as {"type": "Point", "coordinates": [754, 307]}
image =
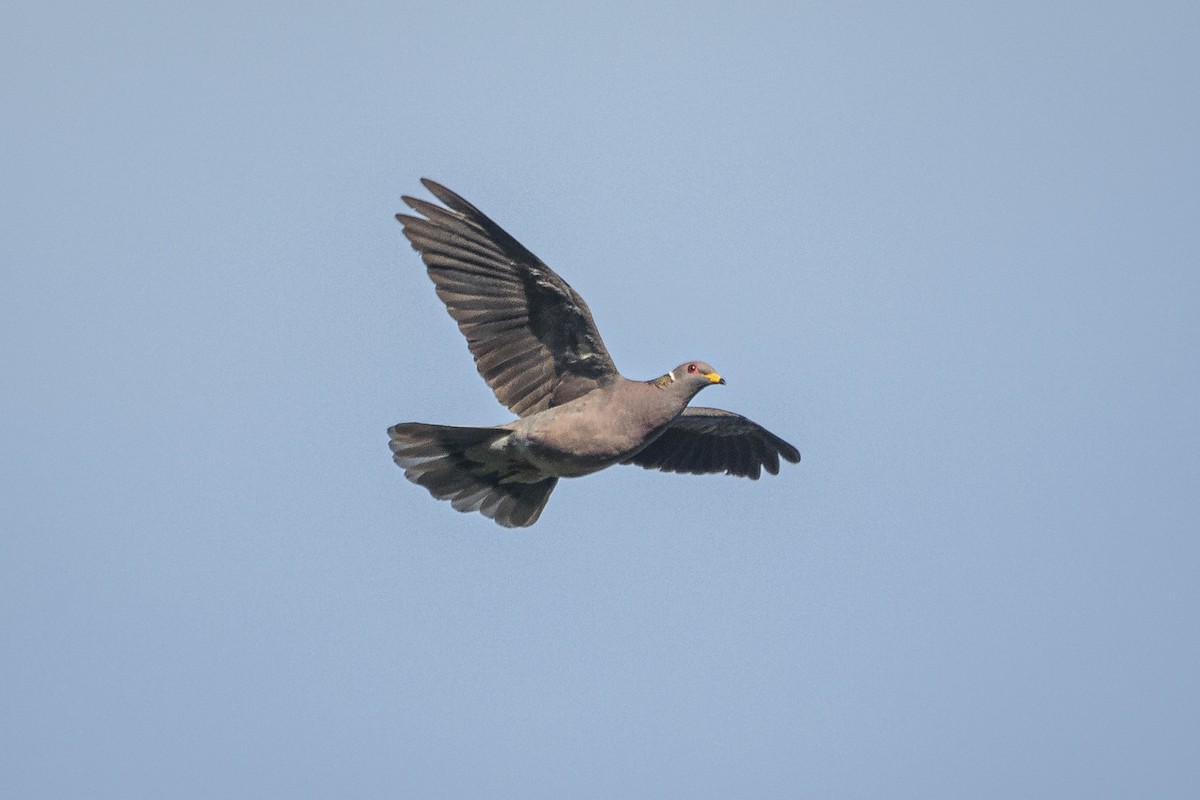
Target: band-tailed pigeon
{"type": "Point", "coordinates": [537, 347]}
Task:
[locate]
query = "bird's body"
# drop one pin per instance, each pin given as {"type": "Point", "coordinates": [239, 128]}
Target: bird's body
{"type": "Point", "coordinates": [602, 428]}
{"type": "Point", "coordinates": [535, 343]}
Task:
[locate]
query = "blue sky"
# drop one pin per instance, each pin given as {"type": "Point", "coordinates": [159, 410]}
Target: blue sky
{"type": "Point", "coordinates": [948, 250]}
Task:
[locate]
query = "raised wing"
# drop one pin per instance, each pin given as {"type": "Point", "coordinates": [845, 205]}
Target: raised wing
{"type": "Point", "coordinates": [532, 336]}
{"type": "Point", "coordinates": [707, 440]}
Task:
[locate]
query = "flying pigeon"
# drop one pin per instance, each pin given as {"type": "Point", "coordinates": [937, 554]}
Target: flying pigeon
{"type": "Point", "coordinates": [535, 344]}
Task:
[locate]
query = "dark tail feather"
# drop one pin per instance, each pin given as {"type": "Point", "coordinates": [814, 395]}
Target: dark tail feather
{"type": "Point", "coordinates": [459, 465]}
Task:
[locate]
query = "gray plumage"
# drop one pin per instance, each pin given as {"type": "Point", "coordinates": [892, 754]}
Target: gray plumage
{"type": "Point", "coordinates": [535, 344]}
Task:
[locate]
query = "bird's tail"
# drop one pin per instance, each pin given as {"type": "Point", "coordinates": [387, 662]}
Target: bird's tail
{"type": "Point", "coordinates": [461, 465]}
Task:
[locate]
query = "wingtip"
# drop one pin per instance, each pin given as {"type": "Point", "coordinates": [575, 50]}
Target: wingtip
{"type": "Point", "coordinates": [437, 189]}
{"type": "Point", "coordinates": [433, 186]}
{"type": "Point", "coordinates": [453, 201]}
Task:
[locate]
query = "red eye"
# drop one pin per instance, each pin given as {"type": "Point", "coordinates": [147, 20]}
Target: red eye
{"type": "Point", "coordinates": [691, 367]}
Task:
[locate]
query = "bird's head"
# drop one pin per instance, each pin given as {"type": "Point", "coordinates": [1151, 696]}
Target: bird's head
{"type": "Point", "coordinates": [694, 376]}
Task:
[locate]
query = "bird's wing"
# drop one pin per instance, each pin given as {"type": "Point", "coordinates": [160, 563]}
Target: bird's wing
{"type": "Point", "coordinates": [532, 336]}
{"type": "Point", "coordinates": [706, 440]}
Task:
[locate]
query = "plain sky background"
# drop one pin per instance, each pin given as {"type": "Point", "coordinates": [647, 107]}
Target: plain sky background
{"type": "Point", "coordinates": [950, 250]}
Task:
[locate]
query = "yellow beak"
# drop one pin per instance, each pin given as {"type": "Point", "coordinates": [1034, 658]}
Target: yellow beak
{"type": "Point", "coordinates": [714, 377]}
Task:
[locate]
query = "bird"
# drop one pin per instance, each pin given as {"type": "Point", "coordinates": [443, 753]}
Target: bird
{"type": "Point", "coordinates": [536, 345]}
